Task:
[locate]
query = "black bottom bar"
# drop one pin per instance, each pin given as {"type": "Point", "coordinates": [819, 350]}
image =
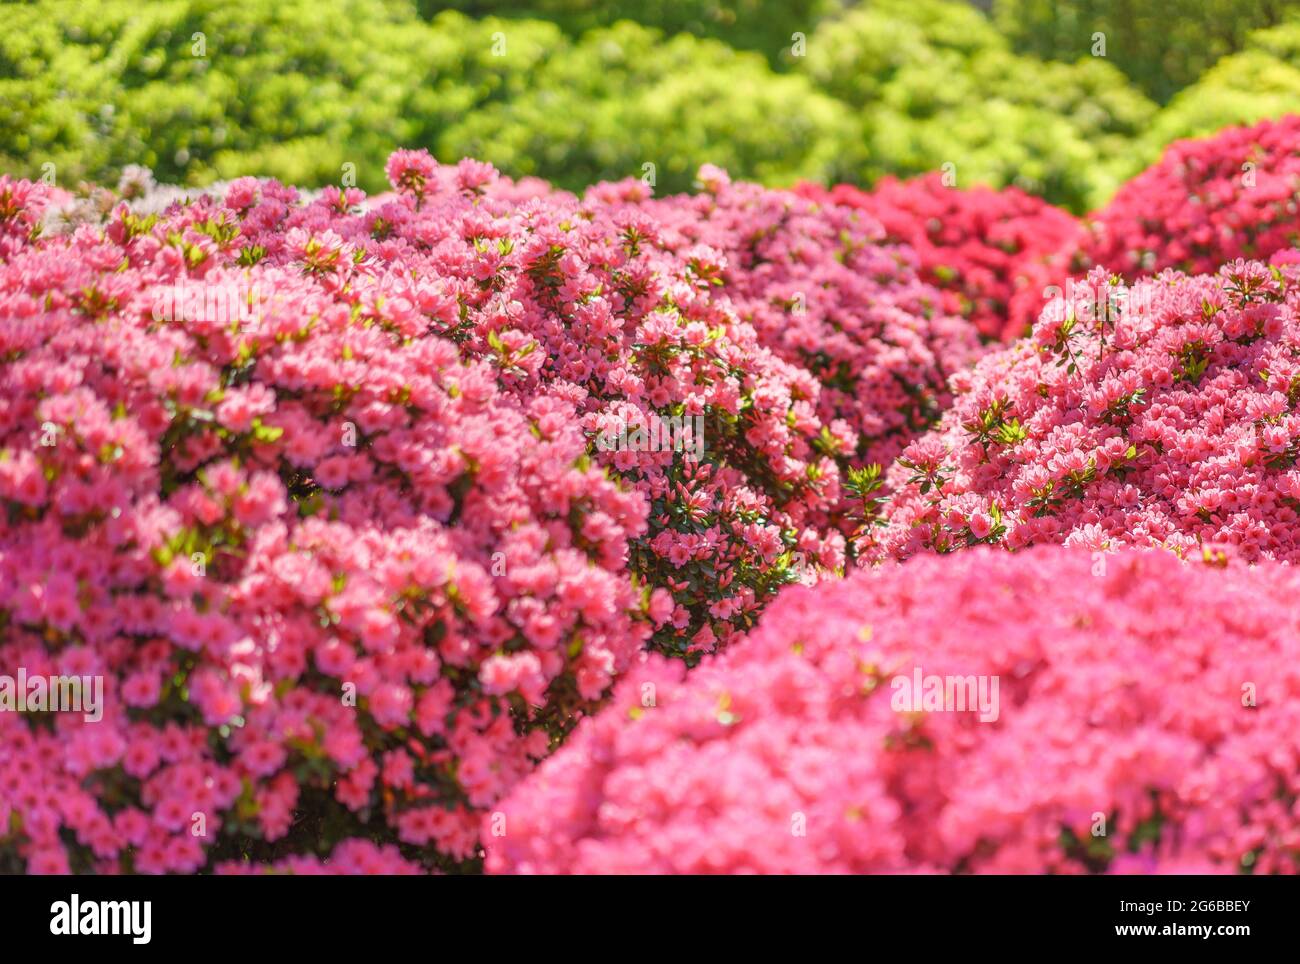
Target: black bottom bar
{"type": "Point", "coordinates": [274, 914]}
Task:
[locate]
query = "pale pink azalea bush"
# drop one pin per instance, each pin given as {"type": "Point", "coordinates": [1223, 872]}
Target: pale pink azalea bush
{"type": "Point", "coordinates": [583, 299]}
{"type": "Point", "coordinates": [23, 207]}
{"type": "Point", "coordinates": [809, 350]}
{"type": "Point", "coordinates": [1159, 696]}
{"type": "Point", "coordinates": [1165, 416]}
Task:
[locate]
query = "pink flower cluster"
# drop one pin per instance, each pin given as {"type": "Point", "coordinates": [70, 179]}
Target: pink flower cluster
{"type": "Point", "coordinates": [1207, 202]}
{"type": "Point", "coordinates": [991, 253]}
{"type": "Point", "coordinates": [796, 347]}
{"type": "Point", "coordinates": [589, 298]}
{"type": "Point", "coordinates": [1146, 721]}
{"type": "Point", "coordinates": [23, 207]}
{"type": "Point", "coordinates": [338, 582]}
{"type": "Point", "coordinates": [359, 506]}
{"type": "Point", "coordinates": [351, 858]}
{"type": "Point", "coordinates": [1163, 416]}
{"type": "Point", "coordinates": [825, 291]}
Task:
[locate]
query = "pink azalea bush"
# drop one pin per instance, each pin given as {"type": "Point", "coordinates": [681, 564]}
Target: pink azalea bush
{"type": "Point", "coordinates": [824, 290]}
{"type": "Point", "coordinates": [338, 581]}
{"type": "Point", "coordinates": [589, 298]}
{"type": "Point", "coordinates": [359, 506]}
{"type": "Point", "coordinates": [1162, 417]}
{"type": "Point", "coordinates": [321, 489]}
{"type": "Point", "coordinates": [1205, 203]}
{"type": "Point", "coordinates": [1146, 721]}
{"type": "Point", "coordinates": [23, 207]}
{"type": "Point", "coordinates": [992, 253]}
{"type": "Point", "coordinates": [691, 307]}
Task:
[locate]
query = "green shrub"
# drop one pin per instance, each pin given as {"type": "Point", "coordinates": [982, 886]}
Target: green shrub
{"type": "Point", "coordinates": [198, 89]}
{"type": "Point", "coordinates": [1161, 46]}
{"type": "Point", "coordinates": [298, 89]}
{"type": "Point", "coordinates": [766, 26]}
{"type": "Point", "coordinates": [202, 89]}
{"type": "Point", "coordinates": [935, 84]}
{"type": "Point", "coordinates": [621, 98]}
{"type": "Point", "coordinates": [1261, 82]}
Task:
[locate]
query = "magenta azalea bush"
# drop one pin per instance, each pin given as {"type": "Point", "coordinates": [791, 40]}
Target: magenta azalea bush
{"type": "Point", "coordinates": [1162, 416]}
{"type": "Point", "coordinates": [1206, 203]}
{"type": "Point", "coordinates": [826, 292]}
{"type": "Point", "coordinates": [1139, 716]}
{"type": "Point", "coordinates": [993, 254]}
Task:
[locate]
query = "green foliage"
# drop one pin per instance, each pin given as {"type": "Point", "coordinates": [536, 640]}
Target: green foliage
{"type": "Point", "coordinates": [858, 56]}
{"type": "Point", "coordinates": [202, 89]}
{"type": "Point", "coordinates": [198, 89]}
{"type": "Point", "coordinates": [935, 84]}
{"type": "Point", "coordinates": [577, 91]}
{"type": "Point", "coordinates": [617, 99]}
{"type": "Point", "coordinates": [1260, 82]}
{"type": "Point", "coordinates": [1161, 46]}
{"type": "Point", "coordinates": [766, 26]}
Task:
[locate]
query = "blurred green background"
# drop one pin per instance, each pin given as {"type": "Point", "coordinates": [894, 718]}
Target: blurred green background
{"type": "Point", "coordinates": [1063, 100]}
